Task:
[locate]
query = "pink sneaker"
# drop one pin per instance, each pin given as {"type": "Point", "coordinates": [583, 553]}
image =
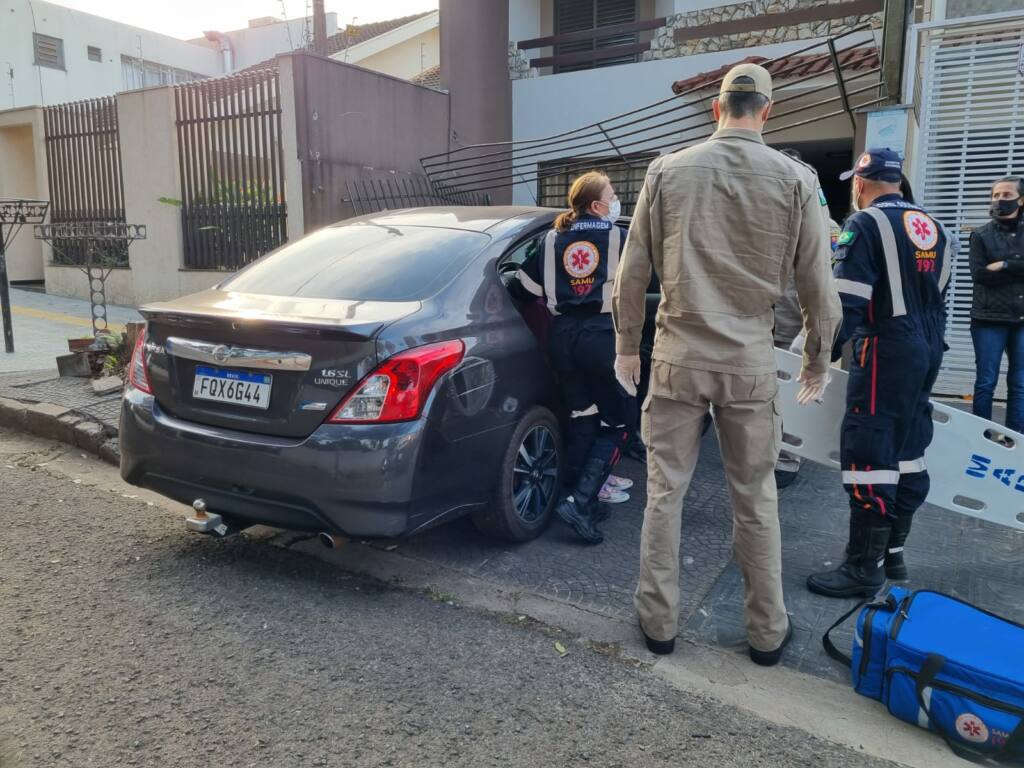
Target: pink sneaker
{"type": "Point", "coordinates": [619, 483]}
{"type": "Point", "coordinates": [610, 495]}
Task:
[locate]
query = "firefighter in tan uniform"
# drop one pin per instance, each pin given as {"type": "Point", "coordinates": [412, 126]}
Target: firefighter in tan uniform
{"type": "Point", "coordinates": [723, 225]}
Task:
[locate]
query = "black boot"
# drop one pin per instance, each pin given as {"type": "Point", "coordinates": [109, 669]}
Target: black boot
{"type": "Point", "coordinates": [576, 509]}
{"type": "Point", "coordinates": [895, 568]}
{"type": "Point", "coordinates": [862, 574]}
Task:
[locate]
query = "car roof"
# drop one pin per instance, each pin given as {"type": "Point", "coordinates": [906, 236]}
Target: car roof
{"type": "Point", "coordinates": [492, 219]}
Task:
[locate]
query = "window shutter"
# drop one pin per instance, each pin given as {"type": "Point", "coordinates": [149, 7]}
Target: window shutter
{"type": "Point", "coordinates": [95, 54]}
{"type": "Point", "coordinates": [49, 51]}
{"type": "Point", "coordinates": [579, 15]}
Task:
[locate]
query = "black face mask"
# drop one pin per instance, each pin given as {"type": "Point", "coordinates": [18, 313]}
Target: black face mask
{"type": "Point", "coordinates": [1004, 207]}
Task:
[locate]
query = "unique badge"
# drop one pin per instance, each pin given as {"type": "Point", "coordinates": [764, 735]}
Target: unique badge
{"type": "Point", "coordinates": [581, 258]}
{"type": "Point", "coordinates": [846, 237]}
{"type": "Point", "coordinates": [922, 231]}
{"type": "Point", "coordinates": [865, 161]}
{"type": "Point", "coordinates": [972, 728]}
{"type": "Point", "coordinates": [821, 197]}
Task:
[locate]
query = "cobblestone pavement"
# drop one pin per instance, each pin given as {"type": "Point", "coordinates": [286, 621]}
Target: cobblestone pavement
{"type": "Point", "coordinates": [977, 561]}
{"type": "Point", "coordinates": [44, 323]}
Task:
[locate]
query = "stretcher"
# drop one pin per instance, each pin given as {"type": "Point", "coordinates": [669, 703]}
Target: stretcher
{"type": "Point", "coordinates": [976, 466]}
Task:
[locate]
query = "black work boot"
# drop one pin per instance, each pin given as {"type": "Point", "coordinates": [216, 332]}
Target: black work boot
{"type": "Point", "coordinates": [576, 509]}
{"type": "Point", "coordinates": [895, 568]}
{"type": "Point", "coordinates": [862, 574]}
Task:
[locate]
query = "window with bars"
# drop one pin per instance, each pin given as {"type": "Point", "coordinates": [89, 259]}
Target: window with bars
{"type": "Point", "coordinates": [95, 54]}
{"type": "Point", "coordinates": [49, 51]}
{"type": "Point", "coordinates": [583, 15]}
{"type": "Point", "coordinates": [557, 176]}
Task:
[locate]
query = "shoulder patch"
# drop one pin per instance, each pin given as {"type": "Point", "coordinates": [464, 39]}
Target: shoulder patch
{"type": "Point", "coordinates": [821, 197]}
{"type": "Point", "coordinates": [846, 237]}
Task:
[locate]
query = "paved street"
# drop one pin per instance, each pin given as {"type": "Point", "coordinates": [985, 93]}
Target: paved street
{"type": "Point", "coordinates": [43, 324]}
{"type": "Point", "coordinates": [124, 641]}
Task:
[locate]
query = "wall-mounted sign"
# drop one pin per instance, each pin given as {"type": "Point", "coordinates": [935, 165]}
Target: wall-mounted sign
{"type": "Point", "coordinates": [887, 128]}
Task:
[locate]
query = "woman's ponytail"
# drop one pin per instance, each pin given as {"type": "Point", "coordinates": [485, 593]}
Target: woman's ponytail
{"type": "Point", "coordinates": [587, 189]}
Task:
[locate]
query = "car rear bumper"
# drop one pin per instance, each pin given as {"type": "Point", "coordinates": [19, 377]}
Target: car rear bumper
{"type": "Point", "coordinates": [353, 480]}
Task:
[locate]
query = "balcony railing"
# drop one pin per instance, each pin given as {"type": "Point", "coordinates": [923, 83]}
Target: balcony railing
{"type": "Point", "coordinates": [599, 54]}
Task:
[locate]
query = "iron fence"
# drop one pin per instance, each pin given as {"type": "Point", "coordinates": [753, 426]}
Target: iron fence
{"type": "Point", "coordinates": [372, 195]}
{"type": "Point", "coordinates": [810, 86]}
{"type": "Point", "coordinates": [83, 164]}
{"type": "Point", "coordinates": [233, 206]}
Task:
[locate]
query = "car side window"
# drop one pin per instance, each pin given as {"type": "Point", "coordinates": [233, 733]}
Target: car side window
{"type": "Point", "coordinates": [518, 254]}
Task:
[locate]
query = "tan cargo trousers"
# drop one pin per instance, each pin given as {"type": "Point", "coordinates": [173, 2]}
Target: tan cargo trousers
{"type": "Point", "coordinates": [749, 432]}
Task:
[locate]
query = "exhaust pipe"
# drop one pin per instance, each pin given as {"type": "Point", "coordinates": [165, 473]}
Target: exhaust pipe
{"type": "Point", "coordinates": [331, 541]}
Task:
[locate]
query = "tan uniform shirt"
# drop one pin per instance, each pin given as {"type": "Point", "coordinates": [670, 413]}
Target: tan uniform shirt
{"type": "Point", "coordinates": [789, 320]}
{"type": "Point", "coordinates": [724, 224]}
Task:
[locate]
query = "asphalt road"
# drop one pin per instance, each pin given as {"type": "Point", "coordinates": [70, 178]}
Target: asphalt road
{"type": "Point", "coordinates": [126, 641]}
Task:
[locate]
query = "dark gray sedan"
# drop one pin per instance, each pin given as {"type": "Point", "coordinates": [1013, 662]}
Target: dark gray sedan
{"type": "Point", "coordinates": [374, 378]}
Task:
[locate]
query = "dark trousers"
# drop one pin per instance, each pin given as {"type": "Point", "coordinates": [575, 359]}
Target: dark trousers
{"type": "Point", "coordinates": [888, 422]}
{"type": "Point", "coordinates": [991, 340]}
{"type": "Point", "coordinates": [602, 416]}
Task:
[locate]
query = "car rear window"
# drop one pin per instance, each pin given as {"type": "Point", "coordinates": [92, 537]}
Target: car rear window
{"type": "Point", "coordinates": [363, 261]}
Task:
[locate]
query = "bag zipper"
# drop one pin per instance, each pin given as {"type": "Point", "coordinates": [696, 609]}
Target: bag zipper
{"type": "Point", "coordinates": [865, 656]}
{"type": "Point", "coordinates": [952, 688]}
{"type": "Point", "coordinates": [904, 609]}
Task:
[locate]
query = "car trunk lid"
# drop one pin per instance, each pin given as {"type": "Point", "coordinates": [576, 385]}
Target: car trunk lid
{"type": "Point", "coordinates": [265, 364]}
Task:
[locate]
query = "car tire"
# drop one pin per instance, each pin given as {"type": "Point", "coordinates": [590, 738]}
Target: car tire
{"type": "Point", "coordinates": [529, 482]}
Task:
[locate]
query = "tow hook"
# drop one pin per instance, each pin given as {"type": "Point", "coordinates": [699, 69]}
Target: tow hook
{"type": "Point", "coordinates": [205, 522]}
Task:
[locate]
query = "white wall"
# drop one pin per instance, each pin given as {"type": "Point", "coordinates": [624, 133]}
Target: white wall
{"type": "Point", "coordinates": [23, 174]}
{"type": "Point", "coordinates": [407, 59]}
{"type": "Point", "coordinates": [82, 78]}
{"type": "Point", "coordinates": [255, 44]}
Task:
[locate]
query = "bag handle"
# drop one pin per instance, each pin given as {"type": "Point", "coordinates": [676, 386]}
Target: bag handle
{"type": "Point", "coordinates": [830, 648]}
{"type": "Point", "coordinates": [925, 679]}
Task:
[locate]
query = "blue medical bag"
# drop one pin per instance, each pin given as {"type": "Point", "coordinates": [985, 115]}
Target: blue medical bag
{"type": "Point", "coordinates": [942, 664]}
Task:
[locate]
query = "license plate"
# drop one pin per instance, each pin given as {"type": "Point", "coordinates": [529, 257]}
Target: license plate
{"type": "Point", "coordinates": [235, 387]}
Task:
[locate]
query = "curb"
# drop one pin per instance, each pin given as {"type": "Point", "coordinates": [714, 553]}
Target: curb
{"type": "Point", "coordinates": [66, 425]}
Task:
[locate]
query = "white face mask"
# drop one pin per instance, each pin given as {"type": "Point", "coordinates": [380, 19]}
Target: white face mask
{"type": "Point", "coordinates": [614, 211]}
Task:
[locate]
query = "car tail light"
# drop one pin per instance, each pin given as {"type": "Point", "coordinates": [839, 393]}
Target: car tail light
{"type": "Point", "coordinates": [138, 374]}
{"type": "Point", "coordinates": [399, 386]}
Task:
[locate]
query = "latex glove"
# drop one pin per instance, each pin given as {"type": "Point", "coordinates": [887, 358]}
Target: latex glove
{"type": "Point", "coordinates": [627, 372]}
{"type": "Point", "coordinates": [797, 345]}
{"type": "Point", "coordinates": [813, 388]}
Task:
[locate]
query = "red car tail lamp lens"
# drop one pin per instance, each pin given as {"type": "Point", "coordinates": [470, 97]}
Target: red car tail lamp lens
{"type": "Point", "coordinates": [138, 374]}
{"type": "Point", "coordinates": [397, 389]}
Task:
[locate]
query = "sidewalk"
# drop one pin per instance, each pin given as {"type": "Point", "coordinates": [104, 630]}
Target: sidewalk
{"type": "Point", "coordinates": [974, 560]}
{"type": "Point", "coordinates": [43, 324]}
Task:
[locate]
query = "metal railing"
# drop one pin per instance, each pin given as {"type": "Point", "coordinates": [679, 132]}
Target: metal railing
{"type": "Point", "coordinates": [83, 165]}
{"type": "Point", "coordinates": [665, 126]}
{"type": "Point", "coordinates": [232, 169]}
{"type": "Point", "coordinates": [373, 195]}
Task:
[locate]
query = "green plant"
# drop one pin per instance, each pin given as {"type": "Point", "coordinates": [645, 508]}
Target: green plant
{"type": "Point", "coordinates": [117, 356]}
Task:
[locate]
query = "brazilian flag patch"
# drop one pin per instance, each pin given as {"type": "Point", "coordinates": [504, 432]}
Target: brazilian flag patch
{"type": "Point", "coordinates": [846, 237]}
{"type": "Point", "coordinates": [821, 197]}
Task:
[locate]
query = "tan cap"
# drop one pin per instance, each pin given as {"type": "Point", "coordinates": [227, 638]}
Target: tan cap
{"type": "Point", "coordinates": [762, 80]}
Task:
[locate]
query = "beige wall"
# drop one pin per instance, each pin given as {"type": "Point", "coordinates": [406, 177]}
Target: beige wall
{"type": "Point", "coordinates": [23, 174]}
{"type": "Point", "coordinates": [409, 58]}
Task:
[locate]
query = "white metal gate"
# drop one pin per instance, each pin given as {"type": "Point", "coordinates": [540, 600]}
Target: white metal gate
{"type": "Point", "coordinates": [972, 132]}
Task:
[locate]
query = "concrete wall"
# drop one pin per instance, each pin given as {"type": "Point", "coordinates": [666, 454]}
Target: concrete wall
{"type": "Point", "coordinates": [408, 58]}
{"type": "Point", "coordinates": [23, 174]}
{"type": "Point", "coordinates": [474, 69]}
{"type": "Point", "coordinates": [81, 78]}
{"type": "Point", "coordinates": [356, 124]}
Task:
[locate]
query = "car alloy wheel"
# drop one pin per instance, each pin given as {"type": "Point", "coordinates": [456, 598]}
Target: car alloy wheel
{"type": "Point", "coordinates": [536, 474]}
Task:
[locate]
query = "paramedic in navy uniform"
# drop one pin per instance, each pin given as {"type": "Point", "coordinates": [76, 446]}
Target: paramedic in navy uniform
{"type": "Point", "coordinates": [892, 267]}
{"type": "Point", "coordinates": [573, 270]}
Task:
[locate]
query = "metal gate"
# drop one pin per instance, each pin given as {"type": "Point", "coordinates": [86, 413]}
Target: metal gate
{"type": "Point", "coordinates": [232, 169]}
{"type": "Point", "coordinates": [83, 167]}
{"type": "Point", "coordinates": [972, 132]}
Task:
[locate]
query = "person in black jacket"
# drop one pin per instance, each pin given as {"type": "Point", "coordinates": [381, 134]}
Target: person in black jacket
{"type": "Point", "coordinates": [997, 311]}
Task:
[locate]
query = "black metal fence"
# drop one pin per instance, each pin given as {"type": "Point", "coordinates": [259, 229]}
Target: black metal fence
{"type": "Point", "coordinates": [372, 195]}
{"type": "Point", "coordinates": [83, 163]}
{"type": "Point", "coordinates": [813, 84]}
{"type": "Point", "coordinates": [233, 206]}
